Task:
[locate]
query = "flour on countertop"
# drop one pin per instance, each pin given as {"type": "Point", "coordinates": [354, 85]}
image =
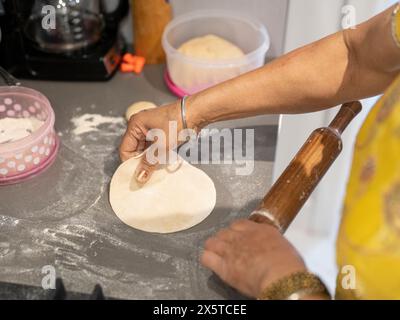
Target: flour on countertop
{"type": "Point", "coordinates": [13, 129]}
{"type": "Point", "coordinates": [91, 122]}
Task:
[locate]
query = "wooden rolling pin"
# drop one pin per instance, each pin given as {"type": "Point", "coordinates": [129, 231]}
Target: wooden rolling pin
{"type": "Point", "coordinates": [296, 184]}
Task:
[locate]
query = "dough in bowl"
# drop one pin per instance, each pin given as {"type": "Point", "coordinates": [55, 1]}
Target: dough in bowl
{"type": "Point", "coordinates": [210, 48]}
{"type": "Point", "coordinates": [175, 198]}
{"type": "Point", "coordinates": [14, 129]}
{"type": "Point", "coordinates": [209, 62]}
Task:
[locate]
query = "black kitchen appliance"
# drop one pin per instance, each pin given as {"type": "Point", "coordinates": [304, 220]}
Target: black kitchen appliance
{"type": "Point", "coordinates": [61, 39]}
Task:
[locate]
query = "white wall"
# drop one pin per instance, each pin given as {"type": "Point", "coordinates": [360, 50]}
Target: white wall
{"type": "Point", "coordinates": [272, 13]}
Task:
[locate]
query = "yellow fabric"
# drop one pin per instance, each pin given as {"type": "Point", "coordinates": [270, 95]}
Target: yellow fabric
{"type": "Point", "coordinates": [396, 25]}
{"type": "Point", "coordinates": [369, 237]}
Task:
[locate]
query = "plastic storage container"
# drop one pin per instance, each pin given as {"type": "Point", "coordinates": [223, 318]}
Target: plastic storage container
{"type": "Point", "coordinates": [192, 75]}
{"type": "Point", "coordinates": [24, 158]}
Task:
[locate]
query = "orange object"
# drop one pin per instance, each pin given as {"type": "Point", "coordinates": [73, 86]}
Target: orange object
{"type": "Point", "coordinates": [126, 67]}
{"type": "Point", "coordinates": [138, 64]}
{"type": "Point", "coordinates": [128, 58]}
{"type": "Point", "coordinates": [132, 63]}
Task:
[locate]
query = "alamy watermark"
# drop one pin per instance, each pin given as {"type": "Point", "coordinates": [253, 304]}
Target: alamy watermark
{"type": "Point", "coordinates": [211, 146]}
{"type": "Point", "coordinates": [49, 17]}
{"type": "Point", "coordinates": [49, 278]}
{"type": "Point", "coordinates": [349, 19]}
{"type": "Point", "coordinates": [348, 277]}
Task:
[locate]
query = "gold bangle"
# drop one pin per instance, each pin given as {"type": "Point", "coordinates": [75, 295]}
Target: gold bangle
{"type": "Point", "coordinates": [295, 287]}
{"type": "Point", "coordinates": [396, 26]}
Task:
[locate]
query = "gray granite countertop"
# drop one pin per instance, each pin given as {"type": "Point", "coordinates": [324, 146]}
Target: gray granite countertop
{"type": "Point", "coordinates": [63, 217]}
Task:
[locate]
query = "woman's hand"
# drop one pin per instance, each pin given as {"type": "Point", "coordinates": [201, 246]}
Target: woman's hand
{"type": "Point", "coordinates": [250, 256]}
{"type": "Point", "coordinates": [134, 140]}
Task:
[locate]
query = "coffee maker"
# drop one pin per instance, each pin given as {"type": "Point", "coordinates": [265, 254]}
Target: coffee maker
{"type": "Point", "coordinates": [61, 39]}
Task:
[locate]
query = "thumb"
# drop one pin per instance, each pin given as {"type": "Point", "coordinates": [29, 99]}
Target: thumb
{"type": "Point", "coordinates": [145, 169]}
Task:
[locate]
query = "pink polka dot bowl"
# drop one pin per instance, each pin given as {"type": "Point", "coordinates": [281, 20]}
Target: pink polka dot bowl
{"type": "Point", "coordinates": [27, 157]}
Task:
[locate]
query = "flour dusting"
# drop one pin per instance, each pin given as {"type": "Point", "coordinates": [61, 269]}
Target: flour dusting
{"type": "Point", "coordinates": [91, 122]}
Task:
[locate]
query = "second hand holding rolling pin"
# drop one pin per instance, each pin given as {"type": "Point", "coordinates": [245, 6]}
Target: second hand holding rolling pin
{"type": "Point", "coordinates": [296, 184]}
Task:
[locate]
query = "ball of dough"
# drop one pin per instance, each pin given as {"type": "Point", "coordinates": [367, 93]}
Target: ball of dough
{"type": "Point", "coordinates": [210, 48]}
{"type": "Point", "coordinates": [137, 107]}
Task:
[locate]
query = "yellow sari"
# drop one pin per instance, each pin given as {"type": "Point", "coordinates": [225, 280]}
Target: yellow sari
{"type": "Point", "coordinates": [369, 237]}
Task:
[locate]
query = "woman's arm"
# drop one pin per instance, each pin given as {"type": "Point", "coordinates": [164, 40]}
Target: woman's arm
{"type": "Point", "coordinates": [349, 65]}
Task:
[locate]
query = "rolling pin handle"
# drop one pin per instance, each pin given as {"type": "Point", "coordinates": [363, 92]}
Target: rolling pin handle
{"type": "Point", "coordinates": [345, 115]}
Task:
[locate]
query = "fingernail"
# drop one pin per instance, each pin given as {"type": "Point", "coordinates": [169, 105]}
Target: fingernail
{"type": "Point", "coordinates": [142, 176]}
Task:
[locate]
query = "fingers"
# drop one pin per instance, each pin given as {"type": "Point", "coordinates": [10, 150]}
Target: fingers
{"type": "Point", "coordinates": [132, 140]}
{"type": "Point", "coordinates": [216, 257]}
{"type": "Point", "coordinates": [145, 169]}
{"type": "Point", "coordinates": [217, 246]}
{"type": "Point", "coordinates": [141, 145]}
{"type": "Point", "coordinates": [213, 262]}
{"type": "Point", "coordinates": [227, 235]}
{"type": "Point", "coordinates": [224, 240]}
{"type": "Point", "coordinates": [128, 147]}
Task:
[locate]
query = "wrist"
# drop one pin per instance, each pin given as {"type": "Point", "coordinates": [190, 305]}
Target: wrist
{"type": "Point", "coordinates": [269, 280]}
{"type": "Point", "coordinates": [195, 118]}
{"type": "Point", "coordinates": [174, 114]}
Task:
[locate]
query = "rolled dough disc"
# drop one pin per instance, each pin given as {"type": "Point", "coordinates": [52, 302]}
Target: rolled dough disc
{"type": "Point", "coordinates": [137, 107]}
{"type": "Point", "coordinates": [174, 199]}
